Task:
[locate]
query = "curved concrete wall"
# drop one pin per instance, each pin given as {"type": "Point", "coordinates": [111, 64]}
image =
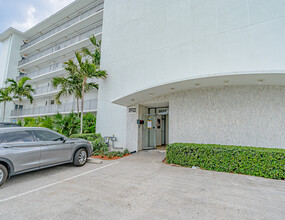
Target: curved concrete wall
{"type": "Point", "coordinates": [151, 42]}
{"type": "Point", "coordinates": [238, 115]}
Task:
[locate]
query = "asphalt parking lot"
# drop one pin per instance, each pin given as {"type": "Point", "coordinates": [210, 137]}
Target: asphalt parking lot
{"type": "Point", "coordinates": [140, 187]}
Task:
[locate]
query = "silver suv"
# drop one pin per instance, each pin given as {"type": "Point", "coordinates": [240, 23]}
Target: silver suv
{"type": "Point", "coordinates": [28, 149]}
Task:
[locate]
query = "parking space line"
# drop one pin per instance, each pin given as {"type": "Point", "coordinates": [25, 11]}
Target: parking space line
{"type": "Point", "coordinates": [56, 183]}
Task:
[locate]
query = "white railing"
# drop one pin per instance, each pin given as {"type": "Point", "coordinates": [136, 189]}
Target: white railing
{"type": "Point", "coordinates": [48, 69]}
{"type": "Point", "coordinates": [62, 45]}
{"type": "Point", "coordinates": [65, 25]}
{"type": "Point", "coordinates": [44, 89]}
{"type": "Point", "coordinates": [89, 105]}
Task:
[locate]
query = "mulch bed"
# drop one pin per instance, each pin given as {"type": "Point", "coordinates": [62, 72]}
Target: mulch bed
{"type": "Point", "coordinates": [108, 158]}
{"type": "Point", "coordinates": [171, 164]}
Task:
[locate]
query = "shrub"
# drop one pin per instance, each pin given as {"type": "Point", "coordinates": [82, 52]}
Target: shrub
{"type": "Point", "coordinates": [263, 162]}
{"type": "Point", "coordinates": [126, 151]}
{"type": "Point", "coordinates": [109, 154]}
{"type": "Point", "coordinates": [65, 124]}
{"type": "Point", "coordinates": [89, 137]}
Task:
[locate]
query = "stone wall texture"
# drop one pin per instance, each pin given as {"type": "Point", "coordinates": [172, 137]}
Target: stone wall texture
{"type": "Point", "coordinates": [239, 115]}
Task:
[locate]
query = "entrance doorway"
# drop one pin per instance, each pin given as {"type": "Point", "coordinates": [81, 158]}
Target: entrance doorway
{"type": "Point", "coordinates": [155, 130]}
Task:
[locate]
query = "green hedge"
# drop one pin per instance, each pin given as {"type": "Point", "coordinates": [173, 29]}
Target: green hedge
{"type": "Point", "coordinates": [89, 137]}
{"type": "Point", "coordinates": [263, 162]}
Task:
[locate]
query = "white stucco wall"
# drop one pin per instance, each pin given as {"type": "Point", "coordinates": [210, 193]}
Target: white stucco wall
{"type": "Point", "coordinates": [152, 42]}
{"type": "Point", "coordinates": [238, 115]}
{"type": "Point", "coordinates": [9, 58]}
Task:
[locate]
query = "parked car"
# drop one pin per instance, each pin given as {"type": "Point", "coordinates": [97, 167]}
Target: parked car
{"type": "Point", "coordinates": [25, 149]}
{"type": "Point", "coordinates": [8, 124]}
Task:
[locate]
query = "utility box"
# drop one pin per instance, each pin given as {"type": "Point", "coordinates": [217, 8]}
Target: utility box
{"type": "Point", "coordinates": [140, 122]}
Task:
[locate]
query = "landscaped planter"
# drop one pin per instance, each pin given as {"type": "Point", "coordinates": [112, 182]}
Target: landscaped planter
{"type": "Point", "coordinates": [263, 162]}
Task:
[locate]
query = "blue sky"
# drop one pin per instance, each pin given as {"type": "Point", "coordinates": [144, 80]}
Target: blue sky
{"type": "Point", "coordinates": [23, 14]}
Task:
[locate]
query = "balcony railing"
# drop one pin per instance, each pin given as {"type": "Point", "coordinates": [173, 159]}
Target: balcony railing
{"type": "Point", "coordinates": [45, 70]}
{"type": "Point", "coordinates": [44, 89]}
{"type": "Point", "coordinates": [62, 45]}
{"type": "Point", "coordinates": [65, 25]}
{"type": "Point", "coordinates": [89, 105]}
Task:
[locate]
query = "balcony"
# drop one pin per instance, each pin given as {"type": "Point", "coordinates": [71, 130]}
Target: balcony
{"type": "Point", "coordinates": [65, 108]}
{"type": "Point", "coordinates": [45, 91]}
{"type": "Point", "coordinates": [50, 71]}
{"type": "Point", "coordinates": [63, 48]}
{"type": "Point", "coordinates": [66, 25]}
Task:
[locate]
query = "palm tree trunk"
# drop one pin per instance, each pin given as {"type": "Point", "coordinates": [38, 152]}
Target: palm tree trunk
{"type": "Point", "coordinates": [77, 99]}
{"type": "Point", "coordinates": [82, 105]}
{"type": "Point", "coordinates": [18, 109]}
{"type": "Point", "coordinates": [4, 111]}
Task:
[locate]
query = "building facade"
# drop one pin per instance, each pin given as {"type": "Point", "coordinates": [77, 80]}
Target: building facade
{"type": "Point", "coordinates": [39, 53]}
{"type": "Point", "coordinates": [196, 71]}
{"type": "Point", "coordinates": [199, 71]}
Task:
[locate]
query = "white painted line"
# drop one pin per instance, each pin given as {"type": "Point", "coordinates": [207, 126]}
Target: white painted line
{"type": "Point", "coordinates": [56, 183]}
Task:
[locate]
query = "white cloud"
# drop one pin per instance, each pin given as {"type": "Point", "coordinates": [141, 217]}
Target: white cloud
{"type": "Point", "coordinates": [35, 15]}
{"type": "Point", "coordinates": [29, 22]}
{"type": "Point", "coordinates": [58, 4]}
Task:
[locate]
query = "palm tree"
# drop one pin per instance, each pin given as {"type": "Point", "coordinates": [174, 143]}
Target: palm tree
{"type": "Point", "coordinates": [87, 70]}
{"type": "Point", "coordinates": [89, 67]}
{"type": "Point", "coordinates": [5, 97]}
{"type": "Point", "coordinates": [21, 90]}
{"type": "Point", "coordinates": [96, 55]}
{"type": "Point", "coordinates": [72, 84]}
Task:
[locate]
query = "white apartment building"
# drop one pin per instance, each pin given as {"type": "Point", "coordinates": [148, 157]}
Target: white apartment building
{"type": "Point", "coordinates": [39, 53]}
{"type": "Point", "coordinates": [198, 71]}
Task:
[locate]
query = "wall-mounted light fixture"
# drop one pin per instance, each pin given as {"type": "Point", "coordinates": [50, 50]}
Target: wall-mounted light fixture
{"type": "Point", "coordinates": [260, 81]}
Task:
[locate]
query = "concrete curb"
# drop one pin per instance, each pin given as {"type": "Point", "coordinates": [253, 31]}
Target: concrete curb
{"type": "Point", "coordinates": [94, 160]}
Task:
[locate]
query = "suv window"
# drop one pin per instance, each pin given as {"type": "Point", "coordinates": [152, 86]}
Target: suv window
{"type": "Point", "coordinates": [19, 136]}
{"type": "Point", "coordinates": [10, 125]}
{"type": "Point", "coordinates": [1, 136]}
{"type": "Point", "coordinates": [47, 135]}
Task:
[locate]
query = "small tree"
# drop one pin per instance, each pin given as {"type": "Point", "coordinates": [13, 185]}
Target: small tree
{"type": "Point", "coordinates": [21, 90]}
{"type": "Point", "coordinates": [5, 96]}
{"type": "Point", "coordinates": [72, 84]}
{"type": "Point", "coordinates": [87, 70]}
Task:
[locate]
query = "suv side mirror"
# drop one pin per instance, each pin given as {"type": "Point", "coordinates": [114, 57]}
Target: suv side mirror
{"type": "Point", "coordinates": [63, 139]}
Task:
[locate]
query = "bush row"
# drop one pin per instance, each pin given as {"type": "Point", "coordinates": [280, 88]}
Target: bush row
{"type": "Point", "coordinates": [99, 145]}
{"type": "Point", "coordinates": [89, 137]}
{"type": "Point", "coordinates": [65, 124]}
{"type": "Point", "coordinates": [263, 162]}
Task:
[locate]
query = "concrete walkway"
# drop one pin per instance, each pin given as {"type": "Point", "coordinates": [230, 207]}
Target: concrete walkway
{"type": "Point", "coordinates": [140, 187]}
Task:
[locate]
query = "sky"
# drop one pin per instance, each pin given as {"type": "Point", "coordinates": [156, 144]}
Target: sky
{"type": "Point", "coordinates": [24, 14]}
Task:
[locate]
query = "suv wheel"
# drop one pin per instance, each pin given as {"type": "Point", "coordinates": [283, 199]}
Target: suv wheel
{"type": "Point", "coordinates": [80, 157]}
{"type": "Point", "coordinates": [3, 174]}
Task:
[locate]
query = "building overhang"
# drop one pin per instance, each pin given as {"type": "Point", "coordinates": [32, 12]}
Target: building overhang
{"type": "Point", "coordinates": [52, 20]}
{"type": "Point", "coordinates": [10, 31]}
{"type": "Point", "coordinates": [268, 78]}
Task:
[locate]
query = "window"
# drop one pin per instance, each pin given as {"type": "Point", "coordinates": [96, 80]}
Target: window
{"type": "Point", "coordinates": [20, 107]}
{"type": "Point", "coordinates": [52, 102]}
{"type": "Point", "coordinates": [1, 136]}
{"type": "Point", "coordinates": [11, 125]}
{"type": "Point", "coordinates": [19, 136]}
{"type": "Point", "coordinates": [47, 136]}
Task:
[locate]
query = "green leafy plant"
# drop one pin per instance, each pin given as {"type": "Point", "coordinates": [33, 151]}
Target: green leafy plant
{"type": "Point", "coordinates": [64, 124]}
{"type": "Point", "coordinates": [20, 90]}
{"type": "Point", "coordinates": [5, 96]}
{"type": "Point", "coordinates": [263, 162]}
{"type": "Point", "coordinates": [126, 151]}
